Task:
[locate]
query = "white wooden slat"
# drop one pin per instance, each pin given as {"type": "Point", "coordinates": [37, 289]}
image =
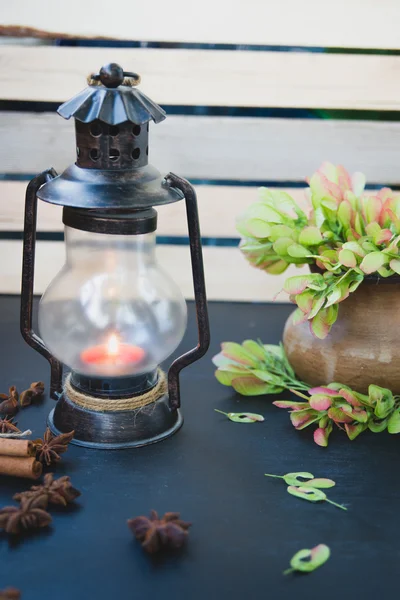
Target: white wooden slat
{"type": "Point", "coordinates": [210, 78]}
{"type": "Point", "coordinates": [228, 275]}
{"type": "Point", "coordinates": [353, 23]}
{"type": "Point", "coordinates": [239, 148]}
{"type": "Point", "coordinates": [218, 208]}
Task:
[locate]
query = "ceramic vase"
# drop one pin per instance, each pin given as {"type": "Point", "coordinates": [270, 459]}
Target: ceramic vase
{"type": "Point", "coordinates": [363, 346]}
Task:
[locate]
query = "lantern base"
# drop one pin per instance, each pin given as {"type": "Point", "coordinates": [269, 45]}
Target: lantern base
{"type": "Point", "coordinates": [115, 429]}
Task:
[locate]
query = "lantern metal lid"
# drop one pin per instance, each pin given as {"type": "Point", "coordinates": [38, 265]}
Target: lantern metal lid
{"type": "Point", "coordinates": [113, 98]}
{"type": "Point", "coordinates": [112, 128]}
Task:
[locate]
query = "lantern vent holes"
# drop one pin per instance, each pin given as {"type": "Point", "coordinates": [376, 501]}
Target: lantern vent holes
{"type": "Point", "coordinates": [114, 154]}
{"type": "Point", "coordinates": [96, 129]}
{"type": "Point", "coordinates": [105, 146]}
{"type": "Point", "coordinates": [94, 154]}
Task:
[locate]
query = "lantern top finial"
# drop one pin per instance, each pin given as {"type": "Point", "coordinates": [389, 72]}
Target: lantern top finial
{"type": "Point", "coordinates": [113, 98]}
{"type": "Point", "coordinates": [111, 75]}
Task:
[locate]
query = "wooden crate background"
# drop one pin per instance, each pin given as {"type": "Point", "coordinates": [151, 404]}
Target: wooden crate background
{"type": "Point", "coordinates": [257, 93]}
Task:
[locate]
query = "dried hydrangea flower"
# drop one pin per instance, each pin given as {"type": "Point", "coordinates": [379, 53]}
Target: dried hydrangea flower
{"type": "Point", "coordinates": [347, 233]}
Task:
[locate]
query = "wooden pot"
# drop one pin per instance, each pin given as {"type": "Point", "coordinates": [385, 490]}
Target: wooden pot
{"type": "Point", "coordinates": [363, 346]}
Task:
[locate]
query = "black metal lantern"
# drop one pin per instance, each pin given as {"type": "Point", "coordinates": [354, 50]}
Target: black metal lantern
{"type": "Point", "coordinates": [112, 315]}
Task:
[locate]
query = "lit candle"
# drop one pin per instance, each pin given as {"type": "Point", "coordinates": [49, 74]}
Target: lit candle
{"type": "Point", "coordinates": [113, 355]}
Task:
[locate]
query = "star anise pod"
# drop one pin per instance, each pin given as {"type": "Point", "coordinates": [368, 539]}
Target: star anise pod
{"type": "Point", "coordinates": [57, 491]}
{"type": "Point", "coordinates": [36, 390]}
{"type": "Point", "coordinates": [31, 514]}
{"type": "Point", "coordinates": [8, 426]}
{"type": "Point", "coordinates": [10, 594]}
{"type": "Point", "coordinates": [9, 404]}
{"type": "Point", "coordinates": [50, 447]}
{"type": "Point", "coordinates": [157, 534]}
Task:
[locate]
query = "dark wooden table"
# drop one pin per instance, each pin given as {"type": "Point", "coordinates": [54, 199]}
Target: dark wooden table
{"type": "Point", "coordinates": [245, 527]}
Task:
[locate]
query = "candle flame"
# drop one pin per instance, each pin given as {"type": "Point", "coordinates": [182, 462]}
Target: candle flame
{"type": "Point", "coordinates": [113, 345]}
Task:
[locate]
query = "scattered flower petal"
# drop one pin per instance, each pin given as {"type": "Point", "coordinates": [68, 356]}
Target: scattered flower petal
{"type": "Point", "coordinates": [307, 561]}
{"type": "Point", "coordinates": [306, 493]}
{"type": "Point", "coordinates": [296, 478]}
{"type": "Point", "coordinates": [321, 483]}
{"type": "Point", "coordinates": [312, 495]}
{"type": "Point", "coordinates": [241, 417]}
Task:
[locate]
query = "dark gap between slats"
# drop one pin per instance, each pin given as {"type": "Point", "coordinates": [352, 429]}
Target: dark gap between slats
{"type": "Point", "coordinates": [222, 182]}
{"type": "Point", "coordinates": [84, 43]}
{"type": "Point", "coordinates": [172, 240]}
{"type": "Point", "coordinates": [232, 111]}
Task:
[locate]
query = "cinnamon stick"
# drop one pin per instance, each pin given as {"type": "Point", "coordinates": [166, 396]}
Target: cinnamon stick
{"type": "Point", "coordinates": [14, 447]}
{"type": "Point", "coordinates": [18, 466]}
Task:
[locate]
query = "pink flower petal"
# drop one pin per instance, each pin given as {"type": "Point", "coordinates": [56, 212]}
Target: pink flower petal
{"type": "Point", "coordinates": [349, 397]}
{"type": "Point", "coordinates": [296, 284]}
{"type": "Point", "coordinates": [321, 437]}
{"type": "Point", "coordinates": [339, 416]}
{"type": "Point", "coordinates": [291, 404]}
{"type": "Point", "coordinates": [329, 170]}
{"type": "Point", "coordinates": [301, 418]}
{"type": "Point", "coordinates": [344, 178]}
{"type": "Point", "coordinates": [322, 390]}
{"type": "Point", "coordinates": [320, 402]}
{"type": "Point", "coordinates": [238, 354]}
{"type": "Point", "coordinates": [299, 317]}
{"type": "Point", "coordinates": [373, 207]}
{"type": "Point", "coordinates": [385, 235]}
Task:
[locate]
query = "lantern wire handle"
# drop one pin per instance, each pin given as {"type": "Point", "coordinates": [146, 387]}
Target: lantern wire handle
{"type": "Point", "coordinates": [28, 272]}
{"type": "Point", "coordinates": [199, 290]}
{"type": "Point", "coordinates": [130, 79]}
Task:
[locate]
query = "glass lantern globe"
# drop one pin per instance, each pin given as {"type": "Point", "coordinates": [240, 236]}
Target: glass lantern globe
{"type": "Point", "coordinates": [111, 310]}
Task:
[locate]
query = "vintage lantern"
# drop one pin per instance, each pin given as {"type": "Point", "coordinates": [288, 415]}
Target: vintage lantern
{"type": "Point", "coordinates": [112, 315]}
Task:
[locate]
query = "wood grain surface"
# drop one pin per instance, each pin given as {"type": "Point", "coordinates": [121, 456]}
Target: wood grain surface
{"type": "Point", "coordinates": [240, 148]}
{"type": "Point", "coordinates": [350, 23]}
{"type": "Point", "coordinates": [210, 77]}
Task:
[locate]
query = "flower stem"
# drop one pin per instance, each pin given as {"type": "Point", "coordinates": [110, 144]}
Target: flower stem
{"type": "Point", "coordinates": [299, 394]}
{"type": "Point", "coordinates": [343, 276]}
{"type": "Point", "coordinates": [222, 412]}
{"type": "Point", "coordinates": [277, 476]}
{"type": "Point", "coordinates": [335, 504]}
